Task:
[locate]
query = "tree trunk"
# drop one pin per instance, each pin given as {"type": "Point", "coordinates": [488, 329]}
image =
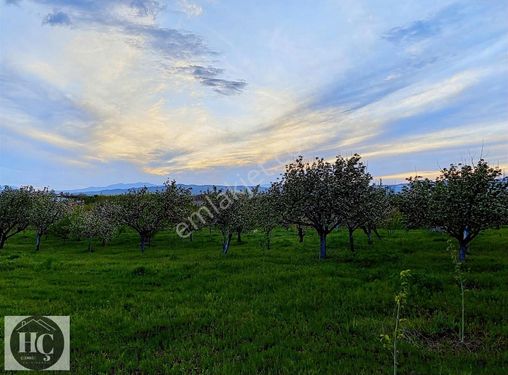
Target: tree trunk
{"type": "Point", "coordinates": [2, 241]}
{"type": "Point", "coordinates": [239, 235]}
{"type": "Point", "coordinates": [462, 250]}
{"type": "Point", "coordinates": [142, 243]}
{"type": "Point", "coordinates": [300, 233]}
{"type": "Point", "coordinates": [89, 246]}
{"type": "Point", "coordinates": [190, 236]}
{"type": "Point", "coordinates": [268, 240]}
{"type": "Point", "coordinates": [38, 241]}
{"type": "Point", "coordinates": [227, 242]}
{"type": "Point", "coordinates": [369, 236]}
{"type": "Point", "coordinates": [463, 244]}
{"type": "Point", "coordinates": [377, 233]}
{"type": "Point", "coordinates": [322, 247]}
{"type": "Point", "coordinates": [351, 239]}
{"type": "Point", "coordinates": [103, 243]}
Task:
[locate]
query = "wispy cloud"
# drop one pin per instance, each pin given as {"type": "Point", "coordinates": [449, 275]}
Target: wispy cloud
{"type": "Point", "coordinates": [208, 77]}
{"type": "Point", "coordinates": [57, 18]}
{"type": "Point", "coordinates": [429, 27]}
{"type": "Point", "coordinates": [460, 136]}
{"type": "Point", "coordinates": [136, 20]}
{"type": "Point", "coordinates": [190, 8]}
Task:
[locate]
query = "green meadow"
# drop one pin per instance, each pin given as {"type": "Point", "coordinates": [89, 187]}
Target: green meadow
{"type": "Point", "coordinates": [183, 307]}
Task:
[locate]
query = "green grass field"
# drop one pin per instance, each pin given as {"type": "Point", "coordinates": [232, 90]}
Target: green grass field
{"type": "Point", "coordinates": [183, 307]}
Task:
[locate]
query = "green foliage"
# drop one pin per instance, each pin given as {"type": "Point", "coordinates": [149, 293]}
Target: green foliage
{"type": "Point", "coordinates": [398, 333]}
{"type": "Point", "coordinates": [225, 210]}
{"type": "Point", "coordinates": [98, 222]}
{"type": "Point", "coordinates": [323, 195]}
{"type": "Point", "coordinates": [267, 211]}
{"type": "Point", "coordinates": [15, 205]}
{"type": "Point", "coordinates": [46, 209]}
{"type": "Point", "coordinates": [63, 228]}
{"type": "Point", "coordinates": [463, 201]}
{"type": "Point", "coordinates": [149, 212]}
{"type": "Point", "coordinates": [416, 203]}
{"type": "Point", "coordinates": [401, 296]}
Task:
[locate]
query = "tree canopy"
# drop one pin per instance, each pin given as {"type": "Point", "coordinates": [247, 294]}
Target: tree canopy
{"type": "Point", "coordinates": [463, 200]}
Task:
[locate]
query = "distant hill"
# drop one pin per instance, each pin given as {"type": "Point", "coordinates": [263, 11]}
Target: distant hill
{"type": "Point", "coordinates": [122, 188]}
{"type": "Point", "coordinates": [118, 189]}
{"type": "Point", "coordinates": [114, 187]}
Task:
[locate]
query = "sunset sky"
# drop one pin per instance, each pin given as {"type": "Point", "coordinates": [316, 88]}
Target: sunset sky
{"type": "Point", "coordinates": [205, 91]}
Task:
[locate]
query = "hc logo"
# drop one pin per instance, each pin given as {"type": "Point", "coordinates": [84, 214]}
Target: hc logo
{"type": "Point", "coordinates": [36, 343]}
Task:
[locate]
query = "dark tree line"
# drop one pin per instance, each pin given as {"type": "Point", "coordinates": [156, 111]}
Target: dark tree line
{"type": "Point", "coordinates": [321, 195]}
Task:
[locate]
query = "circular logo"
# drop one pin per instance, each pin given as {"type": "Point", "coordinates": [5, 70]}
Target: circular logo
{"type": "Point", "coordinates": [37, 342]}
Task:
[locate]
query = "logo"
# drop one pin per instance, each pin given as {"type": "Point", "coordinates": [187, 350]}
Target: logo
{"type": "Point", "coordinates": [37, 343]}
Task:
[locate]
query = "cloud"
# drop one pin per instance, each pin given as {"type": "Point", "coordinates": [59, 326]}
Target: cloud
{"type": "Point", "coordinates": [57, 18]}
{"type": "Point", "coordinates": [427, 28]}
{"type": "Point", "coordinates": [459, 136]}
{"type": "Point", "coordinates": [207, 76]}
{"type": "Point", "coordinates": [146, 7]}
{"type": "Point", "coordinates": [27, 99]}
{"type": "Point", "coordinates": [418, 30]}
{"type": "Point", "coordinates": [223, 86]}
{"type": "Point", "coordinates": [170, 43]}
{"type": "Point", "coordinates": [190, 9]}
{"type": "Point", "coordinates": [401, 177]}
{"type": "Point", "coordinates": [136, 21]}
{"type": "Point", "coordinates": [120, 86]}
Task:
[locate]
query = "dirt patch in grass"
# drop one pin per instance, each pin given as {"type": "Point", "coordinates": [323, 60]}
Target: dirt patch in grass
{"type": "Point", "coordinates": [447, 340]}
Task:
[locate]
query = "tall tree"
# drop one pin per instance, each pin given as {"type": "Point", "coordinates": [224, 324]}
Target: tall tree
{"type": "Point", "coordinates": [378, 209]}
{"type": "Point", "coordinates": [178, 202]}
{"type": "Point", "coordinates": [463, 200]}
{"type": "Point", "coordinates": [267, 209]}
{"type": "Point", "coordinates": [353, 194]}
{"type": "Point", "coordinates": [244, 211]}
{"type": "Point", "coordinates": [99, 222]}
{"type": "Point", "coordinates": [415, 202]}
{"type": "Point", "coordinates": [223, 210]}
{"type": "Point", "coordinates": [148, 212]}
{"type": "Point", "coordinates": [14, 211]}
{"type": "Point", "coordinates": [107, 217]}
{"type": "Point", "coordinates": [143, 211]}
{"type": "Point", "coordinates": [90, 225]}
{"type": "Point", "coordinates": [46, 209]}
{"type": "Point", "coordinates": [308, 192]}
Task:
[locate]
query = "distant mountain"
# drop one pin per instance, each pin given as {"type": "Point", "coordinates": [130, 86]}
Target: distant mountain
{"type": "Point", "coordinates": [118, 189]}
{"type": "Point", "coordinates": [121, 186]}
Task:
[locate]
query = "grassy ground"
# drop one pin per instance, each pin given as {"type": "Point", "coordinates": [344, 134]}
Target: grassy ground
{"type": "Point", "coordinates": [183, 307]}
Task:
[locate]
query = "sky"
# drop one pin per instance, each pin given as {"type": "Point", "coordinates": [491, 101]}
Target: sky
{"type": "Point", "coordinates": [97, 92]}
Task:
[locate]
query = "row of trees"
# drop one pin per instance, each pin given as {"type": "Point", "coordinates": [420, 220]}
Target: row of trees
{"type": "Point", "coordinates": [20, 208]}
{"type": "Point", "coordinates": [43, 210]}
{"type": "Point", "coordinates": [463, 200]}
{"type": "Point", "coordinates": [319, 195]}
